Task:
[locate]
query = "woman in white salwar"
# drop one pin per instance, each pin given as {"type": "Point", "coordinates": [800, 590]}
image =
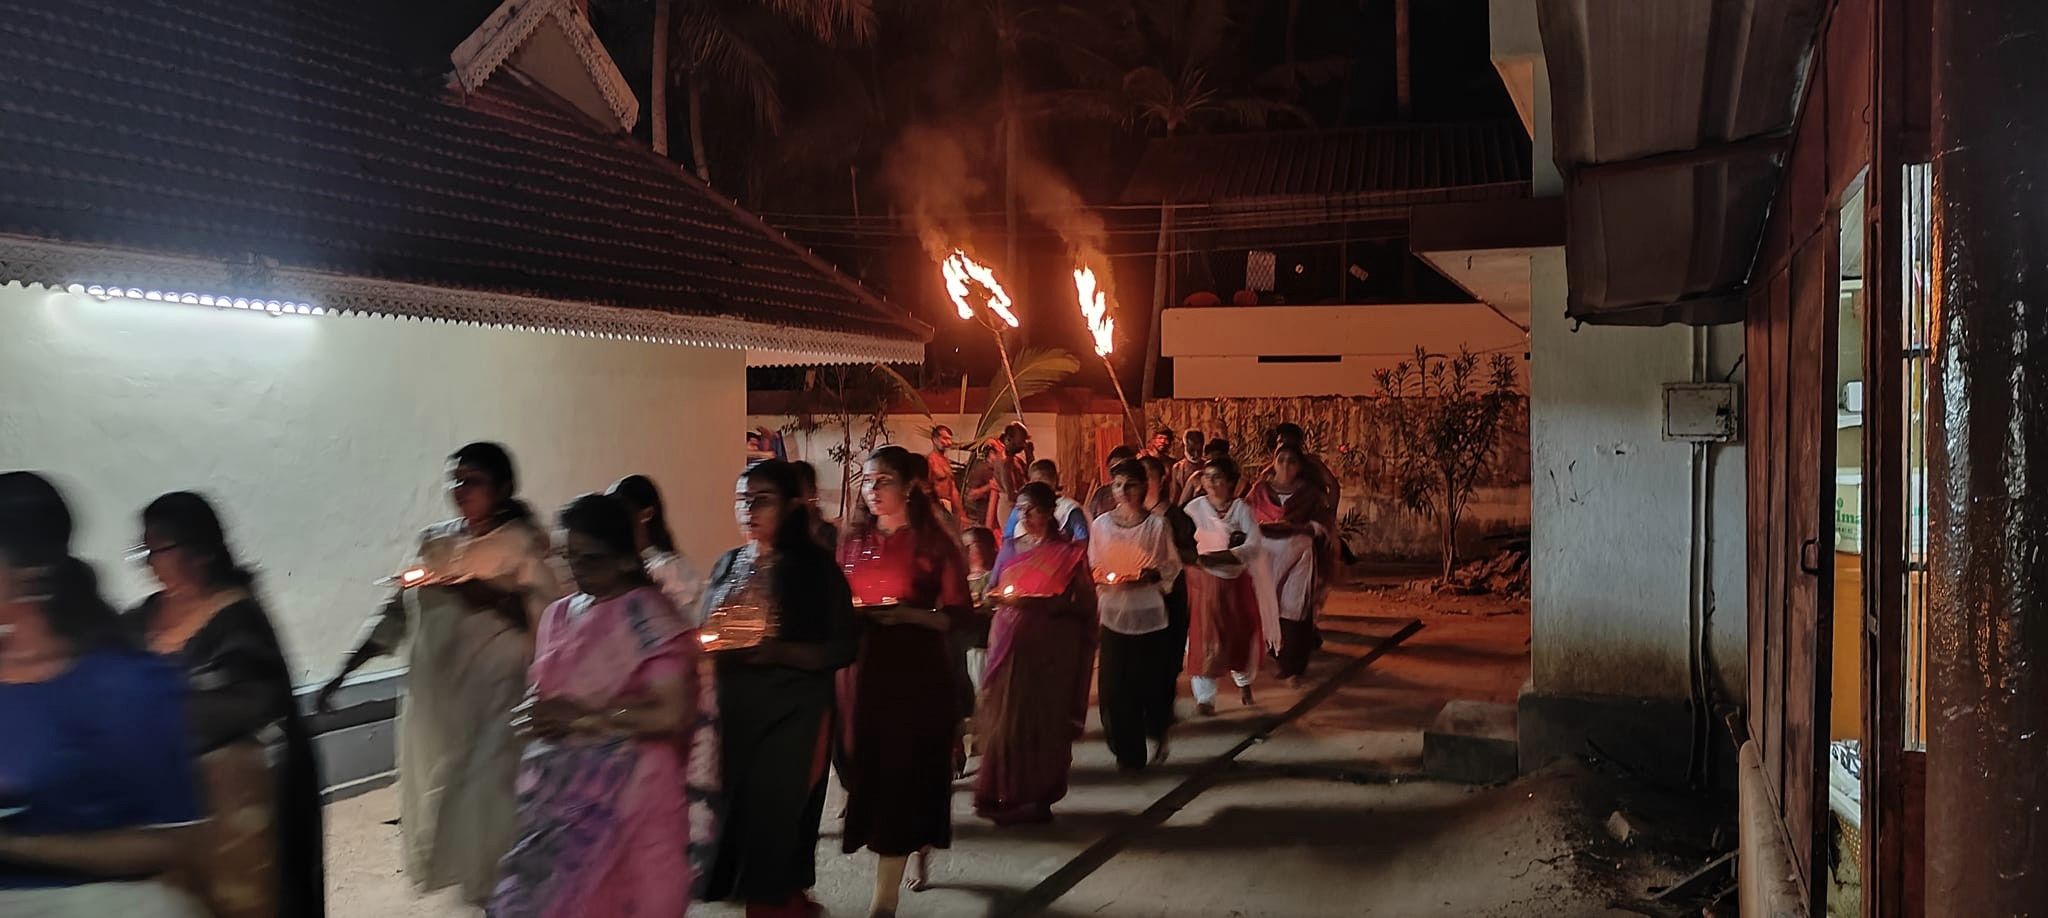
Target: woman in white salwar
{"type": "Point", "coordinates": [1233, 617]}
{"type": "Point", "coordinates": [1290, 506]}
{"type": "Point", "coordinates": [466, 606]}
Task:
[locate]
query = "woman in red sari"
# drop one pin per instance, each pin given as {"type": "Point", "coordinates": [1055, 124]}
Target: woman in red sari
{"type": "Point", "coordinates": [1289, 505]}
{"type": "Point", "coordinates": [899, 709]}
{"type": "Point", "coordinates": [1034, 697]}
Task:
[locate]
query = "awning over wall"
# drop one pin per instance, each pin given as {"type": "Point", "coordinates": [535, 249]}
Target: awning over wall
{"type": "Point", "coordinates": [1671, 121]}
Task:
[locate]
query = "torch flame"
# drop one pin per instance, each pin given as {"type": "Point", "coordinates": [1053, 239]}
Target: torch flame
{"type": "Point", "coordinates": [1095, 308]}
{"type": "Point", "coordinates": [959, 270]}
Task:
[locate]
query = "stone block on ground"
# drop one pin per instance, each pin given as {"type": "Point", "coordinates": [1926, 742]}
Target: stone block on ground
{"type": "Point", "coordinates": [1472, 742]}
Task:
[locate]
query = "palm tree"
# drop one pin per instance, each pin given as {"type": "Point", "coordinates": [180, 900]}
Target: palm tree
{"type": "Point", "coordinates": [722, 46]}
{"type": "Point", "coordinates": [1176, 72]}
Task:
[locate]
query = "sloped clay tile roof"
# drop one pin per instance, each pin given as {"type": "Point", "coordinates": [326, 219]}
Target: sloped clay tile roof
{"type": "Point", "coordinates": [1392, 164]}
{"type": "Point", "coordinates": [290, 130]}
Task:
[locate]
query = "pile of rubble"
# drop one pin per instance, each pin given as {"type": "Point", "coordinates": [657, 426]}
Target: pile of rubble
{"type": "Point", "coordinates": [1504, 574]}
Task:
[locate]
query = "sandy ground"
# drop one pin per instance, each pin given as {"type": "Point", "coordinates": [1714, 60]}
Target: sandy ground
{"type": "Point", "coordinates": [1274, 810]}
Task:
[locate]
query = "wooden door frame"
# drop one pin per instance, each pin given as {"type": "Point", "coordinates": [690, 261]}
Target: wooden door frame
{"type": "Point", "coordinates": [1899, 112]}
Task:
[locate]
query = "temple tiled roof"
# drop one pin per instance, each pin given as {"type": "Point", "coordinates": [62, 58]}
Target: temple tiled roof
{"type": "Point", "coordinates": [291, 133]}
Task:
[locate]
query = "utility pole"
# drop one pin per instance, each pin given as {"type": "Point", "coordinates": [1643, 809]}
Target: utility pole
{"type": "Point", "coordinates": [1403, 89]}
{"type": "Point", "coordinates": [657, 95]}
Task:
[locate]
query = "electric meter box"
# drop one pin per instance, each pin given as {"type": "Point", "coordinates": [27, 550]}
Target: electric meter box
{"type": "Point", "coordinates": [1703, 412]}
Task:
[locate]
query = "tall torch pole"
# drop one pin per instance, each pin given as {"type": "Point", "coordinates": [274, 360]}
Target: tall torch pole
{"type": "Point", "coordinates": [995, 312]}
{"type": "Point", "coordinates": [1016, 397]}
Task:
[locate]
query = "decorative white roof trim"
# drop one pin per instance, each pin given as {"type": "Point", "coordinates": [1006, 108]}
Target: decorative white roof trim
{"type": "Point", "coordinates": [60, 266]}
{"type": "Point", "coordinates": [515, 21]}
{"type": "Point", "coordinates": [874, 350]}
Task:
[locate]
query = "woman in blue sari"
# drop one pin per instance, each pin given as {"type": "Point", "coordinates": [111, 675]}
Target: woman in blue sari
{"type": "Point", "coordinates": [97, 794]}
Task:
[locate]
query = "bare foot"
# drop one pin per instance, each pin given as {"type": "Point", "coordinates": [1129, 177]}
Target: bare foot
{"type": "Point", "coordinates": [920, 873]}
{"type": "Point", "coordinates": [1244, 696]}
{"type": "Point", "coordinates": [1159, 754]}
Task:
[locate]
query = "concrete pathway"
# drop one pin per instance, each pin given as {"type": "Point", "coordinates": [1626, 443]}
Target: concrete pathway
{"type": "Point", "coordinates": [1298, 806]}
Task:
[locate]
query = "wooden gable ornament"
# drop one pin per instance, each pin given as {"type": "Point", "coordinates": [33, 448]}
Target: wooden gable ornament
{"type": "Point", "coordinates": [549, 43]}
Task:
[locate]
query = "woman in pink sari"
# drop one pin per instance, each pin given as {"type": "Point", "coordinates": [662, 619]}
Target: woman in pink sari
{"type": "Point", "coordinates": [603, 824]}
{"type": "Point", "coordinates": [1034, 695]}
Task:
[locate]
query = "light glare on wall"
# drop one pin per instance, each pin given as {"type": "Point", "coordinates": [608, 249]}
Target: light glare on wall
{"type": "Point", "coordinates": [105, 292]}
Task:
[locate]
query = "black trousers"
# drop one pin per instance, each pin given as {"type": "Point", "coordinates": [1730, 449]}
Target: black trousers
{"type": "Point", "coordinates": [1135, 688]}
{"type": "Point", "coordinates": [1177, 624]}
{"type": "Point", "coordinates": [1297, 641]}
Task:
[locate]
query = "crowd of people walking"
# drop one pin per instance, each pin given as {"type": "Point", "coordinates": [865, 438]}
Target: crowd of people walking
{"type": "Point", "coordinates": [593, 725]}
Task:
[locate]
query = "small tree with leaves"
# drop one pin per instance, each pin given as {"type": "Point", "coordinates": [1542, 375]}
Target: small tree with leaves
{"type": "Point", "coordinates": [857, 399]}
{"type": "Point", "coordinates": [1444, 417]}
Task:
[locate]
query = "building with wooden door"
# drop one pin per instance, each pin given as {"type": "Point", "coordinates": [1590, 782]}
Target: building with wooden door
{"type": "Point", "coordinates": [1855, 184]}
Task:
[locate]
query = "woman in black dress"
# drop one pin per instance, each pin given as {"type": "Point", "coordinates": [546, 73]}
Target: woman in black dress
{"type": "Point", "coordinates": [775, 699]}
{"type": "Point", "coordinates": [261, 848]}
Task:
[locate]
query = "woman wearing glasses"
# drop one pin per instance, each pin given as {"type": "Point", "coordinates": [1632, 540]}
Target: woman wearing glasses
{"type": "Point", "coordinates": [775, 697]}
{"type": "Point", "coordinates": [260, 852]}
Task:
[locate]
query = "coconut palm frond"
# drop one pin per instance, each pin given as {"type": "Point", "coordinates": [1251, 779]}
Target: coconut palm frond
{"type": "Point", "coordinates": [830, 20]}
{"type": "Point", "coordinates": [717, 51]}
{"type": "Point", "coordinates": [905, 389]}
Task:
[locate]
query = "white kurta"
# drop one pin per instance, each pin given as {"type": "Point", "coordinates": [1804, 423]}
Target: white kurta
{"type": "Point", "coordinates": [1212, 534]}
{"type": "Point", "coordinates": [457, 754]}
{"type": "Point", "coordinates": [1126, 551]}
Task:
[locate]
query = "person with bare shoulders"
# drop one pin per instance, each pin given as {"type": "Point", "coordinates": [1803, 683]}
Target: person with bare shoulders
{"type": "Point", "coordinates": [945, 487]}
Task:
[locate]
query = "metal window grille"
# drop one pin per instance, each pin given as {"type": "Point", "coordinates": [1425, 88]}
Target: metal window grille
{"type": "Point", "coordinates": [1259, 271]}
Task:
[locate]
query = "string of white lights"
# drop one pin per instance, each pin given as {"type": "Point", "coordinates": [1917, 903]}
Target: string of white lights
{"type": "Point", "coordinates": [105, 292]}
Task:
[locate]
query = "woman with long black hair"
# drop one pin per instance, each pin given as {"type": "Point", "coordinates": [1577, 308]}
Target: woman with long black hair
{"type": "Point", "coordinates": [775, 698]}
{"type": "Point", "coordinates": [260, 854]}
{"type": "Point", "coordinates": [900, 706]}
{"type": "Point", "coordinates": [468, 601]}
{"type": "Point", "coordinates": [679, 580]}
{"type": "Point", "coordinates": [97, 795]}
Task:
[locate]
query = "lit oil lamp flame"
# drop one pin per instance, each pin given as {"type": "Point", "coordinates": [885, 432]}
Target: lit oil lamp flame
{"type": "Point", "coordinates": [962, 273]}
{"type": "Point", "coordinates": [708, 637]}
{"type": "Point", "coordinates": [1095, 308]}
{"type": "Point", "coordinates": [1010, 590]}
{"type": "Point", "coordinates": [1112, 576]}
{"type": "Point", "coordinates": [412, 576]}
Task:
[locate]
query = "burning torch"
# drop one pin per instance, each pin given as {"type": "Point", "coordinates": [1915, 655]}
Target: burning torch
{"type": "Point", "coordinates": [1095, 309]}
{"type": "Point", "coordinates": [963, 274]}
